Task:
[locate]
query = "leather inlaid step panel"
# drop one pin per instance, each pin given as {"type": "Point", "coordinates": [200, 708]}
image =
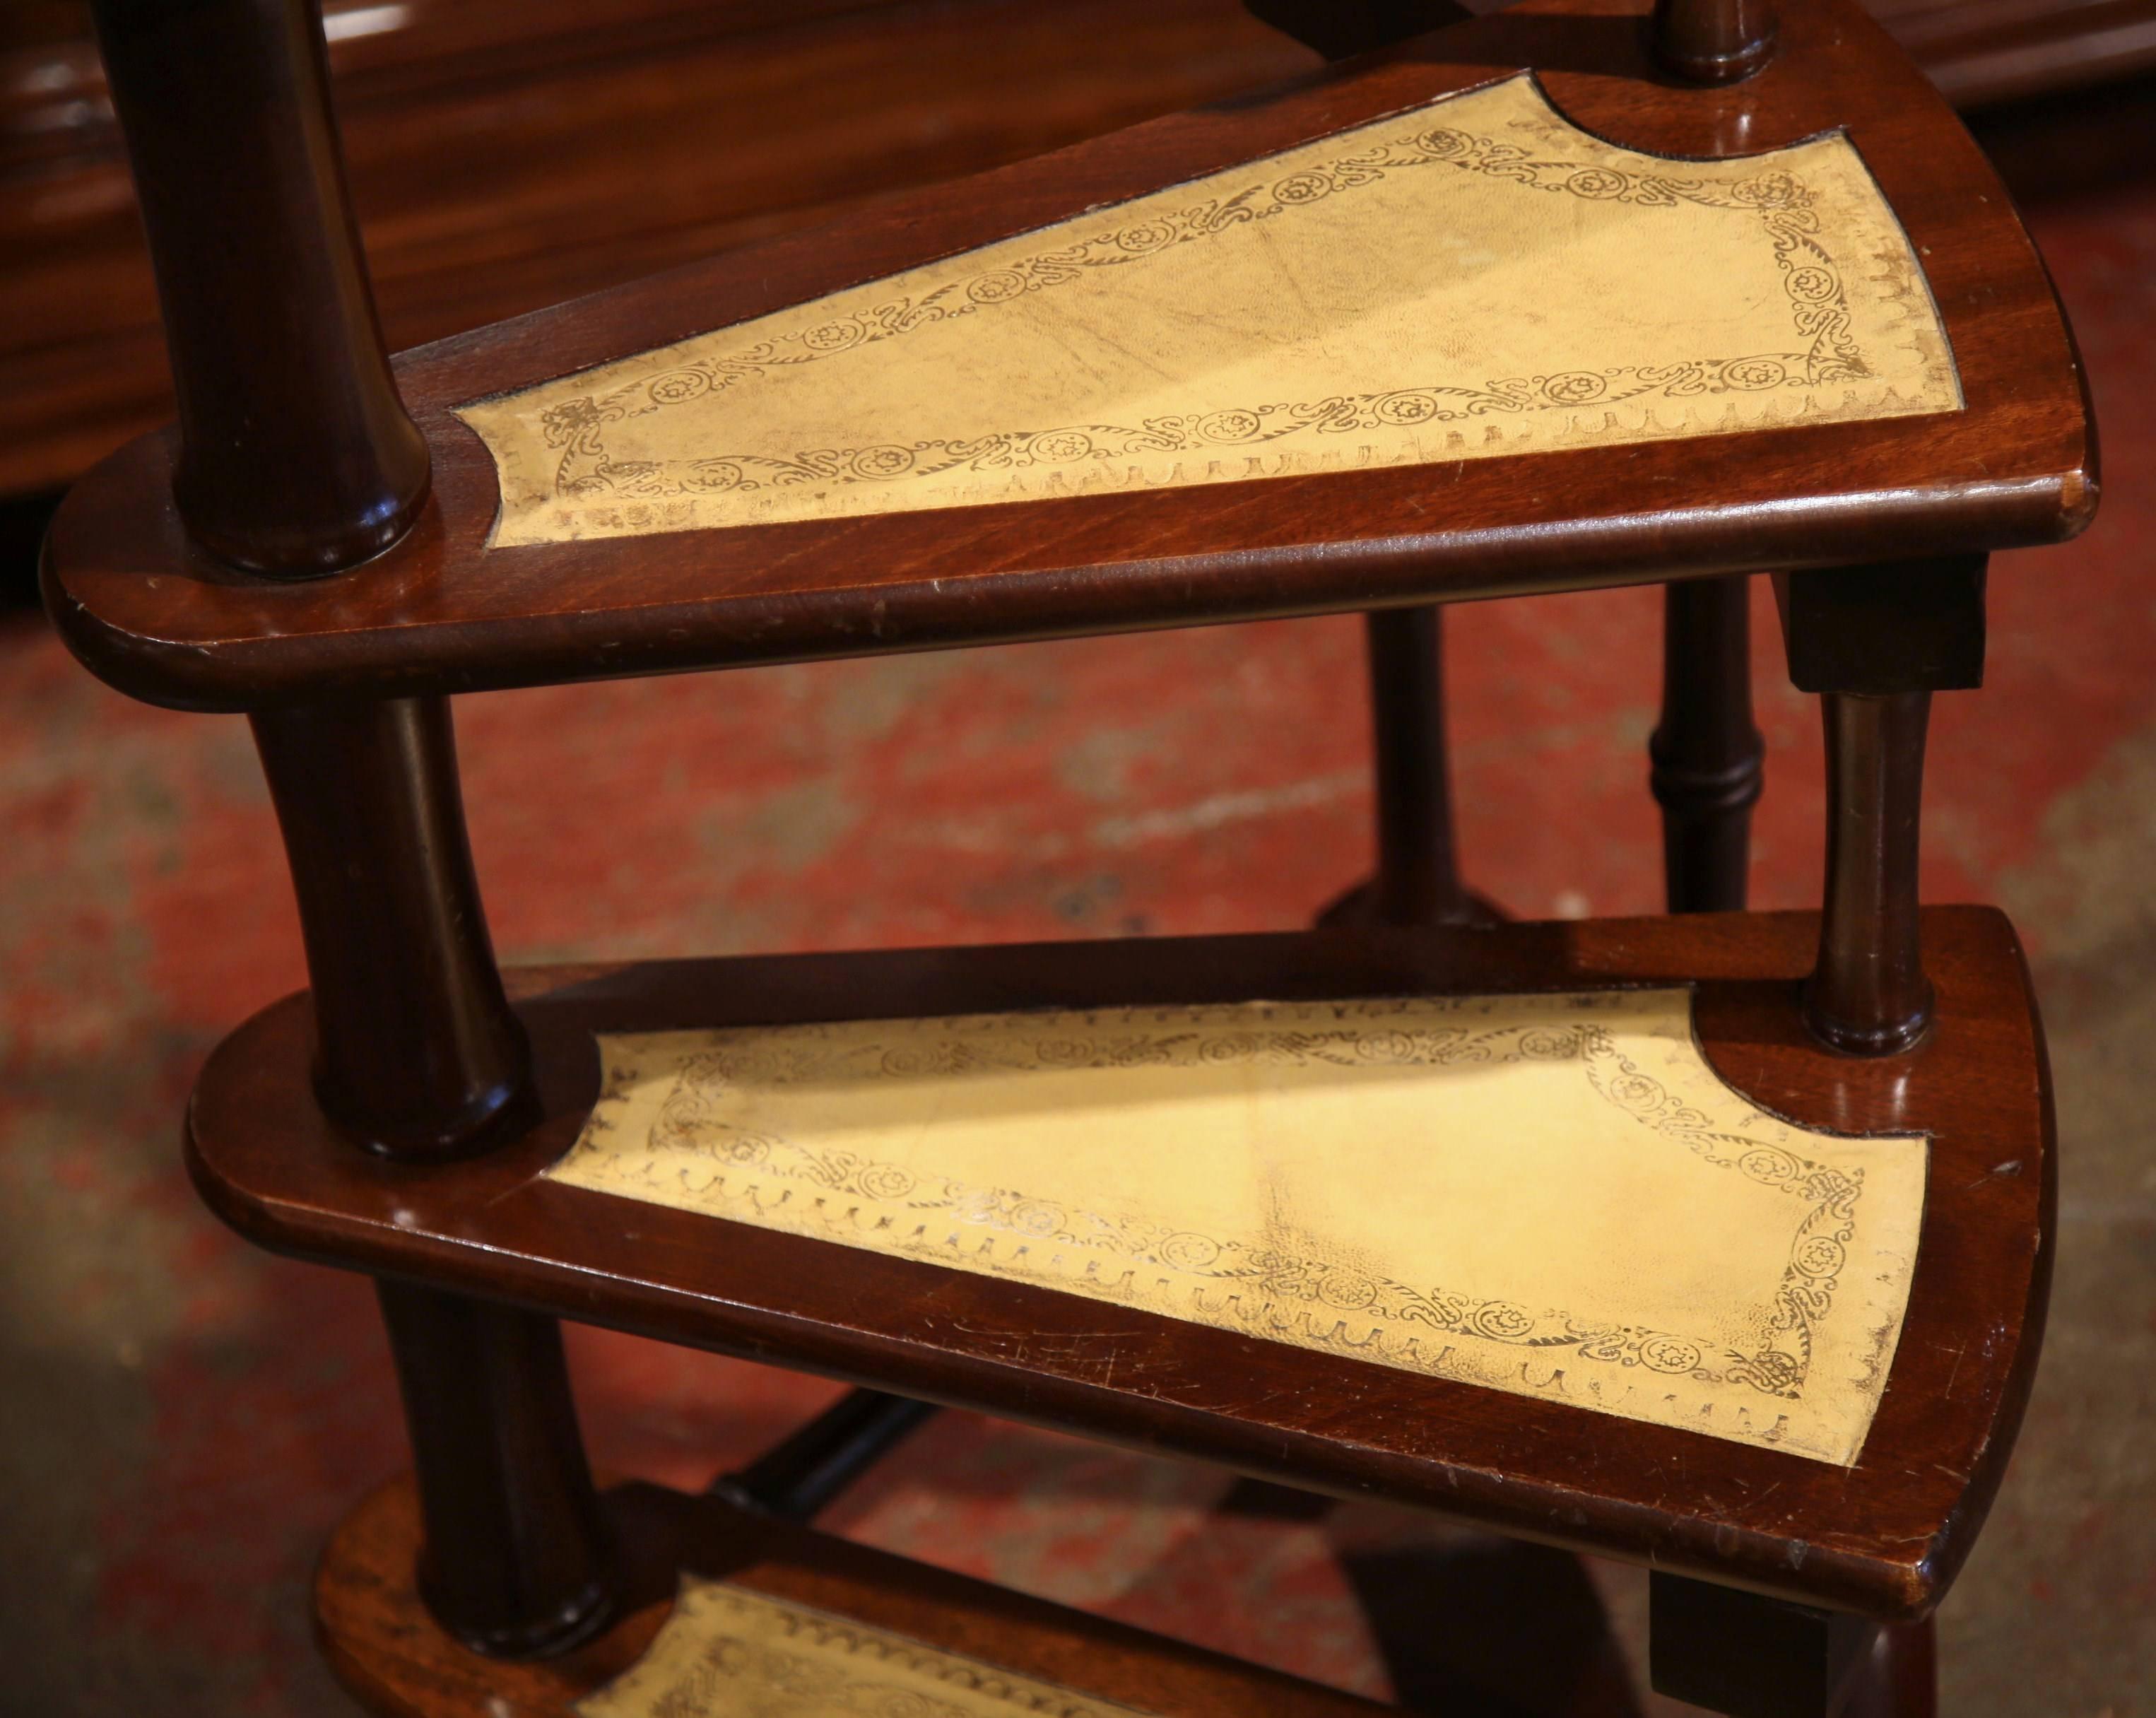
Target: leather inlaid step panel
{"type": "Point", "coordinates": [1550, 1195]}
{"type": "Point", "coordinates": [1884, 1535]}
{"type": "Point", "coordinates": [1473, 277]}
{"type": "Point", "coordinates": [729, 1650]}
{"type": "Point", "coordinates": [723, 1613]}
{"type": "Point", "coordinates": [1298, 522]}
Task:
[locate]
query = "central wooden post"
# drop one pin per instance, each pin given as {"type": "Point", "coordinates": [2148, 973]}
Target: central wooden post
{"type": "Point", "coordinates": [296, 456]}
{"type": "Point", "coordinates": [417, 1053]}
{"type": "Point", "coordinates": [418, 1057]}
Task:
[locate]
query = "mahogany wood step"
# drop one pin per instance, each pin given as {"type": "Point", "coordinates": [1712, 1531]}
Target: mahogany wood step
{"type": "Point", "coordinates": [1884, 1536]}
{"type": "Point", "coordinates": [443, 612]}
{"type": "Point", "coordinates": [389, 1652]}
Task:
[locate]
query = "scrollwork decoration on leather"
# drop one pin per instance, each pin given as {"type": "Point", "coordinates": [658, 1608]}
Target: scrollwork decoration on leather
{"type": "Point", "coordinates": [1823, 349]}
{"type": "Point", "coordinates": [754, 1165]}
{"type": "Point", "coordinates": [726, 1649]}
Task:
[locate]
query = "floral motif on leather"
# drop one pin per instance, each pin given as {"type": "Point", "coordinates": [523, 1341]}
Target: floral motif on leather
{"type": "Point", "coordinates": [727, 1649]}
{"type": "Point", "coordinates": [693, 1121]}
{"type": "Point", "coordinates": [1822, 352]}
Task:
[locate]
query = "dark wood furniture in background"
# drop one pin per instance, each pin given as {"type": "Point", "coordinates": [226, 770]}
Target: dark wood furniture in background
{"type": "Point", "coordinates": [396, 1118]}
{"type": "Point", "coordinates": [490, 140]}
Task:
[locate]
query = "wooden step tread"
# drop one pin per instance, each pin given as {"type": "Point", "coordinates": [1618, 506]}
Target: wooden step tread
{"type": "Point", "coordinates": [765, 1605]}
{"type": "Point", "coordinates": [945, 422]}
{"type": "Point", "coordinates": [1544, 1455]}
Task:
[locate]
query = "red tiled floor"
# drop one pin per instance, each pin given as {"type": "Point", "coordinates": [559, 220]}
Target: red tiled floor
{"type": "Point", "coordinates": [184, 1419]}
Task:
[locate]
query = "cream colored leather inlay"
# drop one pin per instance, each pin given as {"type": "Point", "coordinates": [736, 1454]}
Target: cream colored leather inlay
{"type": "Point", "coordinates": [728, 1653]}
{"type": "Point", "coordinates": [1554, 1196]}
{"type": "Point", "coordinates": [1474, 277]}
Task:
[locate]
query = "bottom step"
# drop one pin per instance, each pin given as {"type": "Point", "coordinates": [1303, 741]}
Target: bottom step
{"type": "Point", "coordinates": [725, 1612]}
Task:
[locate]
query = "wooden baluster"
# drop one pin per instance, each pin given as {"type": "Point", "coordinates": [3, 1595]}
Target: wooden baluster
{"type": "Point", "coordinates": [1876, 641]}
{"type": "Point", "coordinates": [418, 1057]}
{"type": "Point", "coordinates": [1706, 754]}
{"type": "Point", "coordinates": [1418, 882]}
{"type": "Point", "coordinates": [1869, 994]}
{"type": "Point", "coordinates": [1713, 41]}
{"type": "Point", "coordinates": [516, 1560]}
{"type": "Point", "coordinates": [296, 459]}
{"type": "Point", "coordinates": [296, 456]}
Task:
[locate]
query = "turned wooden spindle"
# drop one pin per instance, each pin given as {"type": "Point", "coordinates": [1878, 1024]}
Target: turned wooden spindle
{"type": "Point", "coordinates": [1418, 880]}
{"type": "Point", "coordinates": [516, 1562]}
{"type": "Point", "coordinates": [1706, 753]}
{"type": "Point", "coordinates": [296, 457]}
{"type": "Point", "coordinates": [418, 1057]}
{"type": "Point", "coordinates": [1713, 41]}
{"type": "Point", "coordinates": [418, 1054]}
{"type": "Point", "coordinates": [1876, 641]}
{"type": "Point", "coordinates": [1869, 994]}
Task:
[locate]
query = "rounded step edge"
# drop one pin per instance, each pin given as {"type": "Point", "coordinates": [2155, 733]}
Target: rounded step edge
{"type": "Point", "coordinates": [390, 1654]}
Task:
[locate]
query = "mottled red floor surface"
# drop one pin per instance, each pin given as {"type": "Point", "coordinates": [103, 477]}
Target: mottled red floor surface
{"type": "Point", "coordinates": [182, 1420]}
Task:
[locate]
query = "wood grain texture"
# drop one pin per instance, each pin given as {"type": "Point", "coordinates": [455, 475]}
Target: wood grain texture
{"type": "Point", "coordinates": [486, 136]}
{"type": "Point", "coordinates": [491, 142]}
{"type": "Point", "coordinates": [387, 1650]}
{"type": "Point", "coordinates": [1884, 1537]}
{"type": "Point", "coordinates": [1981, 53]}
{"type": "Point", "coordinates": [440, 613]}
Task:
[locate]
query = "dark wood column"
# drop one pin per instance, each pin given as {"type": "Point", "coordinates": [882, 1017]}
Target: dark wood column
{"type": "Point", "coordinates": [418, 1057]}
{"type": "Point", "coordinates": [1876, 643]}
{"type": "Point", "coordinates": [1869, 994]}
{"type": "Point", "coordinates": [1706, 754]}
{"type": "Point", "coordinates": [515, 1562]}
{"type": "Point", "coordinates": [296, 457]}
{"type": "Point", "coordinates": [1713, 41]}
{"type": "Point", "coordinates": [1418, 881]}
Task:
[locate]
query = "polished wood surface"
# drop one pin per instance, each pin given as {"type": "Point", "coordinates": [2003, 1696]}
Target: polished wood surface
{"type": "Point", "coordinates": [489, 139]}
{"type": "Point", "coordinates": [518, 1562]}
{"type": "Point", "coordinates": [1917, 627]}
{"type": "Point", "coordinates": [418, 1054]}
{"type": "Point", "coordinates": [1885, 1537]}
{"type": "Point", "coordinates": [296, 458]}
{"type": "Point", "coordinates": [1869, 994]}
{"type": "Point", "coordinates": [388, 1651]}
{"type": "Point", "coordinates": [493, 144]}
{"type": "Point", "coordinates": [1982, 53]}
{"type": "Point", "coordinates": [440, 613]}
{"type": "Point", "coordinates": [1714, 41]}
